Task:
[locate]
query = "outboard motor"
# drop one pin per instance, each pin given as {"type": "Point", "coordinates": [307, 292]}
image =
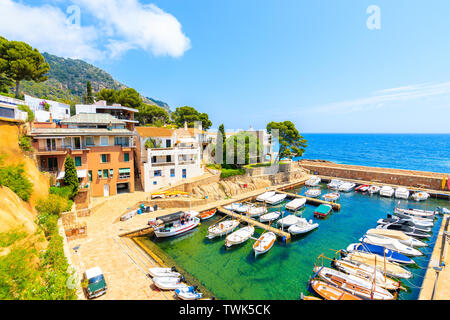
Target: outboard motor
{"type": "Point", "coordinates": [344, 253]}
{"type": "Point", "coordinates": [182, 279]}
{"type": "Point", "coordinates": [389, 216]}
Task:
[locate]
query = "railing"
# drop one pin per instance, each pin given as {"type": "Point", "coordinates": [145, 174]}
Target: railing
{"type": "Point", "coordinates": [181, 162]}
{"type": "Point", "coordinates": [162, 164]}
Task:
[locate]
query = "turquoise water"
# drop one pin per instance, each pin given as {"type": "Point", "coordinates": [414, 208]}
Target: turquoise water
{"type": "Point", "coordinates": [283, 272]}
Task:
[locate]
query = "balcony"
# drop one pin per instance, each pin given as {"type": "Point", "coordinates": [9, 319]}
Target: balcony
{"type": "Point", "coordinates": [162, 164]}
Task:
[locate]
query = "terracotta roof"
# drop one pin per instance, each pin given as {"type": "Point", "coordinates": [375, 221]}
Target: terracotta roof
{"type": "Point", "coordinates": [76, 131]}
{"type": "Point", "coordinates": [154, 131]}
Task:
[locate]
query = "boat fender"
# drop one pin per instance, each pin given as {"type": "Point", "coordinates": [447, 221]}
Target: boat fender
{"type": "Point", "coordinates": [284, 239]}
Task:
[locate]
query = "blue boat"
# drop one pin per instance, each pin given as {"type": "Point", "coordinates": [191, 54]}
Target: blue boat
{"type": "Point", "coordinates": [381, 251]}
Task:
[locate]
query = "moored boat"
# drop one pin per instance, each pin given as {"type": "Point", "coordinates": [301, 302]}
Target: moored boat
{"type": "Point", "coordinates": [239, 236]}
{"type": "Point", "coordinates": [420, 196]}
{"type": "Point", "coordinates": [417, 212]}
{"type": "Point", "coordinates": [222, 228]}
{"type": "Point", "coordinates": [264, 243]}
{"type": "Point", "coordinates": [164, 272]}
{"type": "Point", "coordinates": [387, 191]}
{"type": "Point", "coordinates": [390, 255]}
{"type": "Point", "coordinates": [169, 283]}
{"type": "Point", "coordinates": [189, 293]}
{"type": "Point", "coordinates": [331, 197]}
{"type": "Point", "coordinates": [403, 222]}
{"type": "Point", "coordinates": [362, 188]}
{"type": "Point", "coordinates": [207, 214]}
{"type": "Point", "coordinates": [266, 195]}
{"type": "Point", "coordinates": [347, 186]}
{"type": "Point", "coordinates": [330, 292]}
{"type": "Point", "coordinates": [374, 189]}
{"type": "Point", "coordinates": [399, 235]}
{"type": "Point", "coordinates": [322, 211]}
{"type": "Point", "coordinates": [177, 227]}
{"type": "Point", "coordinates": [271, 216]}
{"type": "Point", "coordinates": [313, 181]}
{"type": "Point", "coordinates": [289, 220]}
{"type": "Point", "coordinates": [402, 193]}
{"type": "Point", "coordinates": [256, 211]}
{"type": "Point", "coordinates": [334, 184]}
{"type": "Point", "coordinates": [303, 226]}
{"type": "Point", "coordinates": [410, 231]}
{"type": "Point", "coordinates": [276, 199]}
{"type": "Point", "coordinates": [296, 204]}
{"type": "Point", "coordinates": [313, 193]}
{"type": "Point", "coordinates": [392, 244]}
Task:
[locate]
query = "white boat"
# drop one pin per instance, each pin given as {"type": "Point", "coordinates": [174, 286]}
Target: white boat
{"type": "Point", "coordinates": [392, 244]}
{"type": "Point", "coordinates": [266, 195]}
{"type": "Point", "coordinates": [164, 272]}
{"type": "Point", "coordinates": [256, 211]}
{"type": "Point", "coordinates": [417, 221]}
{"type": "Point", "coordinates": [239, 236]}
{"type": "Point", "coordinates": [347, 186]}
{"type": "Point", "coordinates": [402, 193]}
{"type": "Point", "coordinates": [289, 220]}
{"type": "Point", "coordinates": [296, 204]}
{"type": "Point", "coordinates": [313, 181]}
{"type": "Point", "coordinates": [222, 228]}
{"type": "Point", "coordinates": [387, 191]}
{"type": "Point", "coordinates": [271, 216]}
{"type": "Point", "coordinates": [276, 199]}
{"type": "Point", "coordinates": [237, 207]}
{"type": "Point", "coordinates": [333, 196]}
{"type": "Point", "coordinates": [177, 227]}
{"type": "Point", "coordinates": [420, 196]}
{"type": "Point", "coordinates": [399, 235]}
{"type": "Point", "coordinates": [189, 293]}
{"type": "Point", "coordinates": [335, 184]}
{"type": "Point", "coordinates": [169, 283]}
{"type": "Point", "coordinates": [303, 226]}
{"type": "Point", "coordinates": [313, 193]}
{"type": "Point", "coordinates": [416, 212]}
{"type": "Point", "coordinates": [374, 189]}
{"type": "Point", "coordinates": [264, 243]}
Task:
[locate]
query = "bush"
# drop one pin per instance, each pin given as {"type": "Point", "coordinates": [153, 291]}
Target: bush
{"type": "Point", "coordinates": [226, 173]}
{"type": "Point", "coordinates": [27, 109]}
{"type": "Point", "coordinates": [63, 192]}
{"type": "Point", "coordinates": [54, 205]}
{"type": "Point", "coordinates": [14, 178]}
{"type": "Point", "coordinates": [25, 143]}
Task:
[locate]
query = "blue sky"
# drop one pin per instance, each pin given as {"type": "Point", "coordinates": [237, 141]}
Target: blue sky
{"type": "Point", "coordinates": [250, 62]}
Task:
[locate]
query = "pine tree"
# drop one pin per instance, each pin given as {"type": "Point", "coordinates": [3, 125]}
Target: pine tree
{"type": "Point", "coordinates": [70, 177]}
{"type": "Point", "coordinates": [89, 95]}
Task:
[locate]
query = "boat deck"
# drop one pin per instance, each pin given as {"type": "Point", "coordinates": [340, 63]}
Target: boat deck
{"type": "Point", "coordinates": [317, 202]}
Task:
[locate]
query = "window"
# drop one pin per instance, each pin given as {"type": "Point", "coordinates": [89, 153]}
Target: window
{"type": "Point", "coordinates": [77, 161]}
{"type": "Point", "coordinates": [105, 158]}
{"type": "Point", "coordinates": [168, 158]}
{"type": "Point", "coordinates": [172, 173]}
{"type": "Point", "coordinates": [155, 182]}
{"type": "Point", "coordinates": [90, 175]}
{"type": "Point", "coordinates": [157, 173]}
{"type": "Point", "coordinates": [105, 173]}
{"type": "Point", "coordinates": [51, 144]}
{"type": "Point", "coordinates": [104, 141]}
{"type": "Point", "coordinates": [124, 173]}
{"type": "Point", "coordinates": [183, 173]}
{"type": "Point", "coordinates": [77, 143]}
{"type": "Point", "coordinates": [99, 174]}
{"type": "Point", "coordinates": [154, 159]}
{"type": "Point", "coordinates": [122, 141]}
{"type": "Point", "coordinates": [111, 173]}
{"type": "Point", "coordinates": [126, 157]}
{"type": "Point", "coordinates": [89, 141]}
{"type": "Point", "coordinates": [168, 143]}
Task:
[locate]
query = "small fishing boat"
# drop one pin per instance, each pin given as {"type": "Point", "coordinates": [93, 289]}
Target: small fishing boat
{"type": "Point", "coordinates": [374, 189]}
{"type": "Point", "coordinates": [266, 195]}
{"type": "Point", "coordinates": [392, 244]}
{"type": "Point", "coordinates": [410, 231]}
{"type": "Point", "coordinates": [189, 293]}
{"type": "Point", "coordinates": [232, 207]}
{"type": "Point", "coordinates": [164, 272]}
{"type": "Point", "coordinates": [241, 207]}
{"type": "Point", "coordinates": [313, 181]}
{"type": "Point", "coordinates": [313, 193]}
{"type": "Point", "coordinates": [375, 261]}
{"type": "Point", "coordinates": [169, 283]}
{"type": "Point", "coordinates": [417, 212]}
{"type": "Point", "coordinates": [271, 216]}
{"type": "Point", "coordinates": [303, 226]}
{"type": "Point", "coordinates": [239, 236]}
{"type": "Point", "coordinates": [335, 184]}
{"type": "Point", "coordinates": [207, 214]}
{"type": "Point", "coordinates": [403, 222]}
{"type": "Point", "coordinates": [174, 228]}
{"type": "Point", "coordinates": [296, 204]}
{"type": "Point", "coordinates": [362, 188]}
{"type": "Point", "coordinates": [276, 199]}
{"type": "Point", "coordinates": [264, 243]}
{"type": "Point", "coordinates": [368, 273]}
{"type": "Point", "coordinates": [387, 191]}
{"type": "Point", "coordinates": [322, 211]}
{"type": "Point", "coordinates": [402, 193]}
{"type": "Point", "coordinates": [331, 197]}
{"type": "Point", "coordinates": [347, 186]}
{"type": "Point", "coordinates": [256, 211]}
{"type": "Point", "coordinates": [330, 292]}
{"type": "Point", "coordinates": [399, 235]}
{"type": "Point", "coordinates": [289, 220]}
{"type": "Point", "coordinates": [420, 196]}
{"type": "Point", "coordinates": [222, 228]}
{"type": "Point", "coordinates": [390, 255]}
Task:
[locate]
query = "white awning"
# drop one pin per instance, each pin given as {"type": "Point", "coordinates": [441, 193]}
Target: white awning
{"type": "Point", "coordinates": [80, 174]}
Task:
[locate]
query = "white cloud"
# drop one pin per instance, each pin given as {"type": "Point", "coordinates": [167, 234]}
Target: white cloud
{"type": "Point", "coordinates": [118, 26]}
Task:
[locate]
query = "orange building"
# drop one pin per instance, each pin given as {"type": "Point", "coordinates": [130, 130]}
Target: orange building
{"type": "Point", "coordinates": [101, 146]}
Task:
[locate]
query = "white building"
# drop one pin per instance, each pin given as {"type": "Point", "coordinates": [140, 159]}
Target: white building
{"type": "Point", "coordinates": [58, 110]}
{"type": "Point", "coordinates": [167, 156]}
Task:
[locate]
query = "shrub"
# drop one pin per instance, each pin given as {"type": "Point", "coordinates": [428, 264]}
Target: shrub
{"type": "Point", "coordinates": [25, 143]}
{"type": "Point", "coordinates": [27, 109]}
{"type": "Point", "coordinates": [226, 173]}
{"type": "Point", "coordinates": [14, 178]}
{"type": "Point", "coordinates": [8, 238]}
{"type": "Point", "coordinates": [54, 205]}
{"type": "Point", "coordinates": [63, 192]}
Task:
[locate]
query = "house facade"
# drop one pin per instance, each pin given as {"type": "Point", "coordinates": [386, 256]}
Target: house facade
{"type": "Point", "coordinates": [56, 111]}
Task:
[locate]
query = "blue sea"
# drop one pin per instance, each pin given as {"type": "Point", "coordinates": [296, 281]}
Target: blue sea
{"type": "Point", "coordinates": [424, 152]}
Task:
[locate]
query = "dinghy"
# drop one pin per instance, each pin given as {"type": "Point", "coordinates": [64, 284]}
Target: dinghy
{"type": "Point", "coordinates": [392, 244]}
{"type": "Point", "coordinates": [189, 293]}
{"type": "Point", "coordinates": [322, 211]}
{"type": "Point", "coordinates": [266, 195]}
{"type": "Point", "coordinates": [390, 255]}
{"type": "Point", "coordinates": [417, 212]}
{"type": "Point", "coordinates": [239, 236]}
{"type": "Point", "coordinates": [289, 220]}
{"type": "Point", "coordinates": [374, 189]}
{"type": "Point", "coordinates": [420, 196]}
{"type": "Point", "coordinates": [271, 216]}
{"type": "Point", "coordinates": [387, 191]}
{"type": "Point", "coordinates": [264, 243]}
{"type": "Point", "coordinates": [164, 272]}
{"type": "Point", "coordinates": [313, 181]}
{"type": "Point", "coordinates": [276, 199]}
{"type": "Point", "coordinates": [398, 221]}
{"type": "Point", "coordinates": [331, 197]}
{"type": "Point", "coordinates": [399, 235]}
{"type": "Point", "coordinates": [330, 292]}
{"type": "Point", "coordinates": [355, 285]}
{"type": "Point", "coordinates": [207, 214]}
{"type": "Point", "coordinates": [346, 187]}
{"type": "Point", "coordinates": [313, 193]}
{"type": "Point", "coordinates": [375, 261]}
{"type": "Point", "coordinates": [255, 211]}
{"type": "Point", "coordinates": [410, 231]}
{"type": "Point", "coordinates": [303, 226]}
{"type": "Point", "coordinates": [402, 193]}
{"type": "Point", "coordinates": [169, 283]}
{"type": "Point", "coordinates": [295, 204]}
{"type": "Point", "coordinates": [335, 184]}
{"type": "Point", "coordinates": [222, 228]}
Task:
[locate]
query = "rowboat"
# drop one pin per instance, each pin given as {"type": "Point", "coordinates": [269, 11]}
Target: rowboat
{"type": "Point", "coordinates": [295, 204]}
{"type": "Point", "coordinates": [271, 216]}
{"type": "Point", "coordinates": [334, 184]}
{"type": "Point", "coordinates": [374, 189]}
{"type": "Point", "coordinates": [387, 191]}
{"type": "Point", "coordinates": [189, 293]}
{"type": "Point", "coordinates": [207, 214]}
{"type": "Point", "coordinates": [362, 188]}
{"type": "Point", "coordinates": [241, 207]}
{"type": "Point", "coordinates": [383, 265]}
{"type": "Point", "coordinates": [169, 283]}
{"type": "Point", "coordinates": [390, 255]}
{"type": "Point", "coordinates": [355, 285]}
{"type": "Point", "coordinates": [174, 228]}
{"type": "Point", "coordinates": [164, 272]}
{"type": "Point", "coordinates": [402, 193]}
{"type": "Point", "coordinates": [330, 292]}
{"type": "Point", "coordinates": [399, 235]}
{"type": "Point", "coordinates": [417, 212]}
{"type": "Point", "coordinates": [303, 226]}
{"type": "Point", "coordinates": [333, 196]}
{"type": "Point", "coordinates": [264, 243]}
{"type": "Point", "coordinates": [222, 228]}
{"type": "Point", "coordinates": [289, 220]}
{"type": "Point", "coordinates": [347, 186]}
{"type": "Point", "coordinates": [239, 236]}
{"type": "Point", "coordinates": [313, 193]}
{"type": "Point", "coordinates": [266, 195]}
{"type": "Point", "coordinates": [276, 199]}
{"type": "Point", "coordinates": [392, 244]}
{"type": "Point", "coordinates": [368, 273]}
{"type": "Point", "coordinates": [322, 211]}
{"type": "Point", "coordinates": [313, 181]}
{"type": "Point", "coordinates": [420, 196]}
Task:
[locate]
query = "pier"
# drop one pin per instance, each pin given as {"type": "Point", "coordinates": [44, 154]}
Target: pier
{"type": "Point", "coordinates": [317, 202]}
{"type": "Point", "coordinates": [258, 224]}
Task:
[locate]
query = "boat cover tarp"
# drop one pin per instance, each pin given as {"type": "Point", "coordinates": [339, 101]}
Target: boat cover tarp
{"type": "Point", "coordinates": [324, 209]}
{"type": "Point", "coordinates": [171, 217]}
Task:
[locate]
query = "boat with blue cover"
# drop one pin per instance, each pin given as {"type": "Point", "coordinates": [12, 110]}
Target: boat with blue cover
{"type": "Point", "coordinates": [381, 251]}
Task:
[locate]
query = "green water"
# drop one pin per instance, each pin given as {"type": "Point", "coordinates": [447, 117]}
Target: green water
{"type": "Point", "coordinates": [283, 272]}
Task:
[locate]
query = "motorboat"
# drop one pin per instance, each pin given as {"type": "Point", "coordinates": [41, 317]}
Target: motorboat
{"type": "Point", "coordinates": [347, 186]}
{"type": "Point", "coordinates": [239, 236]}
{"type": "Point", "coordinates": [207, 214]}
{"type": "Point", "coordinates": [399, 221]}
{"type": "Point", "coordinates": [256, 211]}
{"type": "Point", "coordinates": [271, 216]}
{"type": "Point", "coordinates": [266, 195]}
{"type": "Point", "coordinates": [419, 222]}
{"type": "Point", "coordinates": [189, 293]}
{"type": "Point", "coordinates": [276, 199]}
{"type": "Point", "coordinates": [392, 244]}
{"type": "Point", "coordinates": [379, 263]}
{"type": "Point", "coordinates": [331, 197]}
{"type": "Point", "coordinates": [296, 204]}
{"type": "Point", "coordinates": [390, 255]}
{"type": "Point", "coordinates": [355, 285]}
{"type": "Point", "coordinates": [399, 235]}
{"type": "Point", "coordinates": [289, 220]}
{"type": "Point", "coordinates": [362, 188]}
{"type": "Point", "coordinates": [303, 226]}
{"type": "Point", "coordinates": [368, 273]}
{"type": "Point", "coordinates": [335, 184]}
{"type": "Point", "coordinates": [322, 211]}
{"type": "Point", "coordinates": [232, 207]}
{"type": "Point", "coordinates": [374, 189]}
{"type": "Point", "coordinates": [222, 228]}
{"type": "Point", "coordinates": [402, 193]}
{"type": "Point", "coordinates": [169, 283]}
{"type": "Point", "coordinates": [313, 193]}
{"type": "Point", "coordinates": [264, 243]}
{"type": "Point", "coordinates": [410, 231]}
{"type": "Point", "coordinates": [442, 210]}
{"type": "Point", "coordinates": [417, 212]}
{"type": "Point", "coordinates": [330, 292]}
{"type": "Point", "coordinates": [164, 272]}
{"type": "Point", "coordinates": [420, 196]}
{"type": "Point", "coordinates": [313, 181]}
{"type": "Point", "coordinates": [177, 227]}
{"type": "Point", "coordinates": [387, 191]}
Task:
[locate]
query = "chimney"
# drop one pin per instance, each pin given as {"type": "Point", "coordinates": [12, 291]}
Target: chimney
{"type": "Point", "coordinates": [185, 126]}
{"type": "Point", "coordinates": [50, 117]}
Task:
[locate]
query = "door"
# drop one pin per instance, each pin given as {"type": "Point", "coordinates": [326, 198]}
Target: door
{"type": "Point", "coordinates": [52, 164]}
{"type": "Point", "coordinates": [183, 173]}
{"type": "Point", "coordinates": [106, 190]}
{"type": "Point", "coordinates": [51, 144]}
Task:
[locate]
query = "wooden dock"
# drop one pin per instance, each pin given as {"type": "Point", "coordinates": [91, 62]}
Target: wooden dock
{"type": "Point", "coordinates": [258, 224]}
{"type": "Point", "coordinates": [335, 206]}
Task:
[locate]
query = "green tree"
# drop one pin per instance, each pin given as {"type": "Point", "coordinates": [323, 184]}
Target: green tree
{"type": "Point", "coordinates": [190, 115]}
{"type": "Point", "coordinates": [19, 61]}
{"type": "Point", "coordinates": [149, 114]}
{"type": "Point", "coordinates": [129, 98]}
{"type": "Point", "coordinates": [109, 95]}
{"type": "Point", "coordinates": [291, 142]}
{"type": "Point", "coordinates": [5, 83]}
{"type": "Point", "coordinates": [89, 95]}
{"type": "Point", "coordinates": [70, 177]}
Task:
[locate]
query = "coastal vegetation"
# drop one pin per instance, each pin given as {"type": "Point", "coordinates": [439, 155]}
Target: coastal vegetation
{"type": "Point", "coordinates": [190, 115]}
{"type": "Point", "coordinates": [291, 143]}
{"type": "Point", "coordinates": [70, 176]}
{"type": "Point", "coordinates": [13, 177]}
